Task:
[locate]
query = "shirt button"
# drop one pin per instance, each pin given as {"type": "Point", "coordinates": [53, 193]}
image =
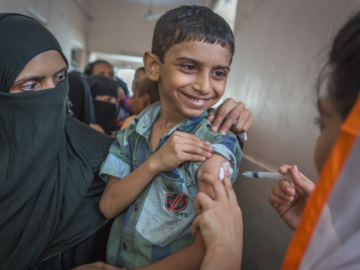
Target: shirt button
{"type": "Point", "coordinates": [124, 245]}
{"type": "Point", "coordinates": [170, 188]}
{"type": "Point", "coordinates": [136, 207]}
{"type": "Point", "coordinates": [131, 126]}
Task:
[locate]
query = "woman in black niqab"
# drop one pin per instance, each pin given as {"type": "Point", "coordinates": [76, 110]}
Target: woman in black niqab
{"type": "Point", "coordinates": [105, 112]}
{"type": "Point", "coordinates": [48, 193]}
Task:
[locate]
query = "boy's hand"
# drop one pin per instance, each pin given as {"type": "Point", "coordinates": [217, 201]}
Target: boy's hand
{"type": "Point", "coordinates": [290, 206]}
{"type": "Point", "coordinates": [181, 147]}
{"type": "Point", "coordinates": [235, 111]}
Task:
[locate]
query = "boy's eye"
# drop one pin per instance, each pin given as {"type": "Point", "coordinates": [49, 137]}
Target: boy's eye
{"type": "Point", "coordinates": [219, 73]}
{"type": "Point", "coordinates": [189, 67]}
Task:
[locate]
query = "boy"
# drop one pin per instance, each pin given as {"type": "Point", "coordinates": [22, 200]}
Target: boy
{"type": "Point", "coordinates": [191, 54]}
{"type": "Point", "coordinates": [146, 92]}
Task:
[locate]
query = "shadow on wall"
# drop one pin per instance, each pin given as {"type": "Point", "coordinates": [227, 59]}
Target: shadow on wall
{"type": "Point", "coordinates": [266, 236]}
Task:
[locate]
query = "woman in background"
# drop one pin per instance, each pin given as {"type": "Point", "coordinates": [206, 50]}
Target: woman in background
{"type": "Point", "coordinates": [104, 92]}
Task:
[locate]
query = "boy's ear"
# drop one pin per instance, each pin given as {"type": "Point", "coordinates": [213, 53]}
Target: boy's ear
{"type": "Point", "coordinates": [151, 64]}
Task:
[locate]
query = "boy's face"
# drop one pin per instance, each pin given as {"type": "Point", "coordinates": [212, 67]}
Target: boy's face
{"type": "Point", "coordinates": [193, 76]}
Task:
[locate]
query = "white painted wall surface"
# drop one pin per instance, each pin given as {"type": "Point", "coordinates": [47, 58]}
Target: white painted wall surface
{"type": "Point", "coordinates": [65, 20]}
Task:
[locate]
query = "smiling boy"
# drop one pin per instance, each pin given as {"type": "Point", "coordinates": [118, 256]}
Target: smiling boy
{"type": "Point", "coordinates": [191, 55]}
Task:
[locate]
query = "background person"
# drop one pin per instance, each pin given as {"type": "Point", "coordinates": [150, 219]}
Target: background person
{"type": "Point", "coordinates": [146, 93]}
{"type": "Point", "coordinates": [104, 92]}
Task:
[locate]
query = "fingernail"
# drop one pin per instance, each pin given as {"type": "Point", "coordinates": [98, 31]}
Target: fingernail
{"type": "Point", "coordinates": [203, 158]}
{"type": "Point", "coordinates": [289, 198]}
{"type": "Point", "coordinates": [290, 191]}
{"type": "Point", "coordinates": [210, 148]}
{"type": "Point", "coordinates": [207, 143]}
{"type": "Point", "coordinates": [222, 132]}
{"type": "Point", "coordinates": [208, 154]}
{"type": "Point", "coordinates": [225, 168]}
{"type": "Point", "coordinates": [296, 169]}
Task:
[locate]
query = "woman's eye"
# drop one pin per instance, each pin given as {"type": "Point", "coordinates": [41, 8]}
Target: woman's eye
{"type": "Point", "coordinates": [189, 67]}
{"type": "Point", "coordinates": [319, 123]}
{"type": "Point", "coordinates": [29, 87]}
{"type": "Point", "coordinates": [60, 77]}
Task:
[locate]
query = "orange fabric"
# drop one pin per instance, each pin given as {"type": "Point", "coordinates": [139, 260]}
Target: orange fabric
{"type": "Point", "coordinates": [127, 121]}
{"type": "Point", "coordinates": [327, 180]}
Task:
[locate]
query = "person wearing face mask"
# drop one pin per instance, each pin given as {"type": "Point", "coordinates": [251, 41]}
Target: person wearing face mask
{"type": "Point", "coordinates": [104, 92]}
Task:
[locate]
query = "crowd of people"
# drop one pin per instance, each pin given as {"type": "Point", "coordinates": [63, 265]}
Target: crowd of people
{"type": "Point", "coordinates": [113, 182]}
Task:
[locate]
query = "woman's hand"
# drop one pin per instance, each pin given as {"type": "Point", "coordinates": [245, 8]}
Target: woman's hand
{"type": "Point", "coordinates": [98, 266]}
{"type": "Point", "coordinates": [236, 112]}
{"type": "Point", "coordinates": [290, 202]}
{"type": "Point", "coordinates": [220, 223]}
{"type": "Point", "coordinates": [181, 147]}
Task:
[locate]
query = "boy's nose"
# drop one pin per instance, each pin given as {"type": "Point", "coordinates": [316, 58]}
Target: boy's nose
{"type": "Point", "coordinates": [202, 84]}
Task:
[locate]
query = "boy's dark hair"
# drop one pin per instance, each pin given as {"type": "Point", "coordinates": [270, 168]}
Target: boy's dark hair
{"type": "Point", "coordinates": [147, 86]}
{"type": "Point", "coordinates": [341, 73]}
{"type": "Point", "coordinates": [191, 23]}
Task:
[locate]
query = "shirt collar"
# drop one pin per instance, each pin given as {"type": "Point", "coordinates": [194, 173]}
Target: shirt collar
{"type": "Point", "coordinates": [146, 119]}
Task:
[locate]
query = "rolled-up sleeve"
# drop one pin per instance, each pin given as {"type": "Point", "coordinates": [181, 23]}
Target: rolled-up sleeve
{"type": "Point", "coordinates": [117, 162]}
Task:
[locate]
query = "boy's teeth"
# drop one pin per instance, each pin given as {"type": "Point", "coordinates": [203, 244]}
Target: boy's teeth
{"type": "Point", "coordinates": [197, 100]}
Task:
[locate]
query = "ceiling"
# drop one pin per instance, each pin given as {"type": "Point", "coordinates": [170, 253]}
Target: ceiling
{"type": "Point", "coordinates": [170, 3]}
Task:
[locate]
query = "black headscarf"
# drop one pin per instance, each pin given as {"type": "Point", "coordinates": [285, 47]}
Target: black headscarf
{"type": "Point", "coordinates": [105, 112]}
{"type": "Point", "coordinates": [80, 97]}
{"type": "Point", "coordinates": [48, 195]}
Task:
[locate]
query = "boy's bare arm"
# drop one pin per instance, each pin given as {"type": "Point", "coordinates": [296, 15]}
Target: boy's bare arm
{"type": "Point", "coordinates": [119, 194]}
{"type": "Point", "coordinates": [192, 256]}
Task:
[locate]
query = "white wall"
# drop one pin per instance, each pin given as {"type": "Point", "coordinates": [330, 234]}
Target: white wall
{"type": "Point", "coordinates": [65, 20]}
{"type": "Point", "coordinates": [119, 27]}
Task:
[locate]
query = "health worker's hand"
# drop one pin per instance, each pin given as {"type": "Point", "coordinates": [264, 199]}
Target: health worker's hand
{"type": "Point", "coordinates": [98, 266]}
{"type": "Point", "coordinates": [220, 224]}
{"type": "Point", "coordinates": [181, 147]}
{"type": "Point", "coordinates": [235, 111]}
{"type": "Point", "coordinates": [290, 202]}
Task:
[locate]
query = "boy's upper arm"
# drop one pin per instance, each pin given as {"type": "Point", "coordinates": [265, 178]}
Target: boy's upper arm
{"type": "Point", "coordinates": [211, 166]}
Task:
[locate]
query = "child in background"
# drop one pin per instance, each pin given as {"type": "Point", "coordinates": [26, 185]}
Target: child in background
{"type": "Point", "coordinates": [146, 92]}
{"type": "Point", "coordinates": [191, 54]}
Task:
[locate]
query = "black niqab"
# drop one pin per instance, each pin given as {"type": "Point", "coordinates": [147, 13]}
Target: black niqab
{"type": "Point", "coordinates": [105, 112]}
{"type": "Point", "coordinates": [48, 195]}
{"type": "Point", "coordinates": [81, 99]}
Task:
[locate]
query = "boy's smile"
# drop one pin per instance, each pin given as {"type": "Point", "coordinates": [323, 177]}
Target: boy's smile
{"type": "Point", "coordinates": [193, 78]}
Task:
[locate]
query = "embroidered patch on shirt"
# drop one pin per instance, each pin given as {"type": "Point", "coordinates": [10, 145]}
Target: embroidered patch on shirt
{"type": "Point", "coordinates": [176, 202]}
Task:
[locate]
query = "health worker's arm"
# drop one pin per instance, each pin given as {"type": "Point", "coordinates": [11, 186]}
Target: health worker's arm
{"type": "Point", "coordinates": [191, 258]}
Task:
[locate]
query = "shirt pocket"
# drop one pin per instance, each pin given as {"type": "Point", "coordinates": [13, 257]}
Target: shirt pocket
{"type": "Point", "coordinates": [168, 210]}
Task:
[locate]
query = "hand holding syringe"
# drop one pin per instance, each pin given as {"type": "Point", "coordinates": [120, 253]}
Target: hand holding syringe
{"type": "Point", "coordinates": [273, 176]}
